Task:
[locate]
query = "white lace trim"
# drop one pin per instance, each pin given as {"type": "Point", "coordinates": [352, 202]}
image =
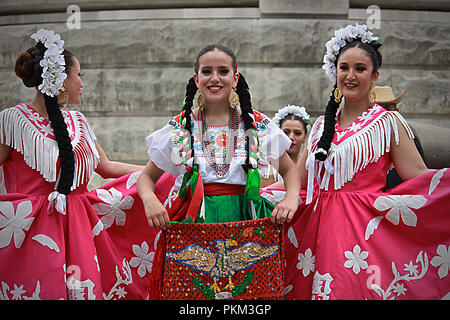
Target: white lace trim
{"type": "Point", "coordinates": [356, 152]}
{"type": "Point", "coordinates": [41, 152]}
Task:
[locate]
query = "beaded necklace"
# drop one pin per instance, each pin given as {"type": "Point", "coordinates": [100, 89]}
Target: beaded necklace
{"type": "Point", "coordinates": [207, 146]}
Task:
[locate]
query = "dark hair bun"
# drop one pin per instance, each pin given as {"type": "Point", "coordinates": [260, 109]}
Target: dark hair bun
{"type": "Point", "coordinates": [24, 66]}
{"type": "Point", "coordinates": [28, 68]}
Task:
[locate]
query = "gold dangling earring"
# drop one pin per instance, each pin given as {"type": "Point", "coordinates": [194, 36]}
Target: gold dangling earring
{"type": "Point", "coordinates": [233, 99]}
{"type": "Point", "coordinates": [337, 95]}
{"type": "Point", "coordinates": [63, 97]}
{"type": "Point", "coordinates": [372, 96]}
{"type": "Point", "coordinates": [200, 100]}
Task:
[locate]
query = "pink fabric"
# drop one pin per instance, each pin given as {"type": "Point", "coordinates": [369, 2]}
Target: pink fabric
{"type": "Point", "coordinates": [361, 243]}
{"type": "Point", "coordinates": [102, 248]}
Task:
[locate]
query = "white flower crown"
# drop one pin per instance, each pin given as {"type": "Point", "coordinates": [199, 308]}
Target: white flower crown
{"type": "Point", "coordinates": [52, 63]}
{"type": "Point", "coordinates": [291, 109]}
{"type": "Point", "coordinates": [341, 38]}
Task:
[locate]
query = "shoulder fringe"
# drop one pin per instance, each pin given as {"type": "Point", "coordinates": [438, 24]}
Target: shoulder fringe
{"type": "Point", "coordinates": [85, 152]}
{"type": "Point", "coordinates": [41, 153]}
{"type": "Point", "coordinates": [359, 150]}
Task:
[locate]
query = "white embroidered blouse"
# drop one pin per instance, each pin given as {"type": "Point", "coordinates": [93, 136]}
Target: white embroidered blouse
{"type": "Point", "coordinates": [163, 149]}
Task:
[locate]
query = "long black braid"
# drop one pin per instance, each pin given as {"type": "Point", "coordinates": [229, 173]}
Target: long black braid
{"type": "Point", "coordinates": [29, 70]}
{"type": "Point", "coordinates": [66, 154]}
{"type": "Point", "coordinates": [191, 90]}
{"type": "Point", "coordinates": [245, 101]}
{"type": "Point", "coordinates": [328, 127]}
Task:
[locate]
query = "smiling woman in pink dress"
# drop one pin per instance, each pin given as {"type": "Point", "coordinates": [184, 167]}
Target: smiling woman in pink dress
{"type": "Point", "coordinates": [57, 240]}
{"type": "Point", "coordinates": [349, 239]}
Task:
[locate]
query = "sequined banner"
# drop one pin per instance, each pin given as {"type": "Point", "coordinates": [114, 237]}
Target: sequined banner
{"type": "Point", "coordinates": [234, 260]}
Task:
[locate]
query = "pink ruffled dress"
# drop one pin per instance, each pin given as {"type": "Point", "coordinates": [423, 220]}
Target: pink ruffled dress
{"type": "Point", "coordinates": [97, 246]}
{"type": "Point", "coordinates": [350, 240]}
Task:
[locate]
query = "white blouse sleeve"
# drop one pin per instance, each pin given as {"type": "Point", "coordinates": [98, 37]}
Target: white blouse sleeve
{"type": "Point", "coordinates": [272, 139]}
{"type": "Point", "coordinates": [161, 150]}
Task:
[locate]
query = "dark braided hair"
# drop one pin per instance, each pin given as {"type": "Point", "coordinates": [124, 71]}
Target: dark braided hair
{"type": "Point", "coordinates": [245, 101]}
{"type": "Point", "coordinates": [28, 69]}
{"type": "Point", "coordinates": [242, 90]}
{"type": "Point", "coordinates": [191, 90]}
{"type": "Point", "coordinates": [328, 127]}
{"type": "Point", "coordinates": [375, 56]}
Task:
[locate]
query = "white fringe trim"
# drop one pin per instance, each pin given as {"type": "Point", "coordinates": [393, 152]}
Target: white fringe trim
{"type": "Point", "coordinates": [86, 154]}
{"type": "Point", "coordinates": [356, 152]}
{"type": "Point", "coordinates": [41, 153]}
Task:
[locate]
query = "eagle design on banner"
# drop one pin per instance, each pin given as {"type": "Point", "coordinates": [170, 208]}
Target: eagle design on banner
{"type": "Point", "coordinates": [240, 260]}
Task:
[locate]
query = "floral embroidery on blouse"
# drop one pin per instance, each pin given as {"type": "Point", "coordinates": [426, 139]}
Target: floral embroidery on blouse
{"type": "Point", "coordinates": [217, 136]}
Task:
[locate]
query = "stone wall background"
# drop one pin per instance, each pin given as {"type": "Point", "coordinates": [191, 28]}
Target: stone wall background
{"type": "Point", "coordinates": [137, 56]}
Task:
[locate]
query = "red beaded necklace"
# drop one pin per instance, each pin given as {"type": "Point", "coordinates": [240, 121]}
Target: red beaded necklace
{"type": "Point", "coordinates": [220, 168]}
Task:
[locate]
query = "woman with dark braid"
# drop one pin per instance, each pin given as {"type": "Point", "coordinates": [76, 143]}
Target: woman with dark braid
{"type": "Point", "coordinates": [217, 152]}
{"type": "Point", "coordinates": [351, 240]}
{"type": "Point", "coordinates": [57, 240]}
{"type": "Point", "coordinates": [219, 146]}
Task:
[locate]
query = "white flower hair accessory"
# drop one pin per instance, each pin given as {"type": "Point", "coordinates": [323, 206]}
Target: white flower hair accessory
{"type": "Point", "coordinates": [341, 38]}
{"type": "Point", "coordinates": [52, 63]}
{"type": "Point", "coordinates": [291, 109]}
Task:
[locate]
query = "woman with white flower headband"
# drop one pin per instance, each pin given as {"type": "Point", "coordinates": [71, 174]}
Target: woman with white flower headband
{"type": "Point", "coordinates": [57, 239]}
{"type": "Point", "coordinates": [294, 121]}
{"type": "Point", "coordinates": [351, 240]}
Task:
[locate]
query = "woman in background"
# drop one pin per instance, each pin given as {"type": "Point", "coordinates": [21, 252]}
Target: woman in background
{"type": "Point", "coordinates": [57, 240]}
{"type": "Point", "coordinates": [294, 121]}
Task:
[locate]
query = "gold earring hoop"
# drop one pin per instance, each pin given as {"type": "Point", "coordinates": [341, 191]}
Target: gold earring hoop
{"type": "Point", "coordinates": [337, 95]}
{"type": "Point", "coordinates": [233, 99]}
{"type": "Point", "coordinates": [200, 100]}
{"type": "Point", "coordinates": [63, 97]}
{"type": "Point", "coordinates": [372, 96]}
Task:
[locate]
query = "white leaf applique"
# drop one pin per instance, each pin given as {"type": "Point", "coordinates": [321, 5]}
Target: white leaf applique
{"type": "Point", "coordinates": [436, 180]}
{"type": "Point", "coordinates": [292, 237]}
{"type": "Point", "coordinates": [112, 210]}
{"type": "Point", "coordinates": [98, 228]}
{"type": "Point", "coordinates": [399, 205]}
{"type": "Point", "coordinates": [46, 241]}
{"type": "Point", "coordinates": [442, 260]}
{"type": "Point", "coordinates": [14, 223]}
{"type": "Point", "coordinates": [133, 178]}
{"type": "Point", "coordinates": [372, 226]}
{"type": "Point", "coordinates": [287, 289]}
{"type": "Point", "coordinates": [155, 242]}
